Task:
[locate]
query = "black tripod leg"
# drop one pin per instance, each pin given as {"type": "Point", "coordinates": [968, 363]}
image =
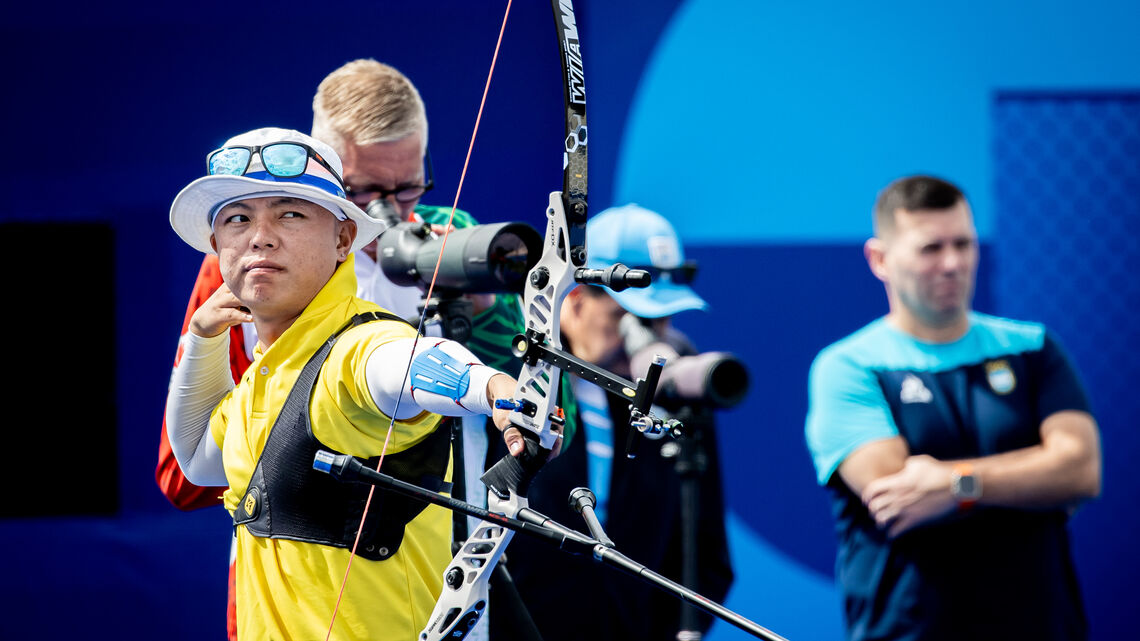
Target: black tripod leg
{"type": "Point", "coordinates": [459, 481]}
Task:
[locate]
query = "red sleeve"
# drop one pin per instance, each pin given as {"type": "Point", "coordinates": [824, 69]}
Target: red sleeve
{"type": "Point", "coordinates": [180, 492]}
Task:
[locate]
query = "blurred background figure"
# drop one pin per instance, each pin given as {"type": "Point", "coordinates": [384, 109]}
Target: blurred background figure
{"type": "Point", "coordinates": [954, 445]}
{"type": "Point", "coordinates": [663, 508]}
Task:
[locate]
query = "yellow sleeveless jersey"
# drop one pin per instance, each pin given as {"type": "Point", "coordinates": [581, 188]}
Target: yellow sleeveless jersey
{"type": "Point", "coordinates": [288, 589]}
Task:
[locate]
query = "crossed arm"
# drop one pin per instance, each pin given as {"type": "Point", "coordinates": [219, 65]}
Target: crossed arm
{"type": "Point", "coordinates": [902, 491]}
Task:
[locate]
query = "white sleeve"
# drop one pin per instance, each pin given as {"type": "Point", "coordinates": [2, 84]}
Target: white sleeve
{"type": "Point", "coordinates": [200, 381]}
{"type": "Point", "coordinates": [388, 364]}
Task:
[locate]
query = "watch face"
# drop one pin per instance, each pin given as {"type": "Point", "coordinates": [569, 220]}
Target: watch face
{"type": "Point", "coordinates": [966, 487]}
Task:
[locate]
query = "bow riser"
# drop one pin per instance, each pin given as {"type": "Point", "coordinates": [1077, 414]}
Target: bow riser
{"type": "Point", "coordinates": [466, 580]}
{"type": "Point", "coordinates": [549, 282]}
{"type": "Point", "coordinates": [463, 601]}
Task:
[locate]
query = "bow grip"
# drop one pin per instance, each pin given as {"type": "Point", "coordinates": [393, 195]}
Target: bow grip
{"type": "Point", "coordinates": [513, 474]}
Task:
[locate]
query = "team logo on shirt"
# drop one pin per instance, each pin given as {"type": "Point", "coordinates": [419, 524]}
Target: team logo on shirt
{"type": "Point", "coordinates": [913, 391]}
{"type": "Point", "coordinates": [1000, 375]}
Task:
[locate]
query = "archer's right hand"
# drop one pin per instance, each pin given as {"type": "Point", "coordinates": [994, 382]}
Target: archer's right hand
{"type": "Point", "coordinates": [221, 311]}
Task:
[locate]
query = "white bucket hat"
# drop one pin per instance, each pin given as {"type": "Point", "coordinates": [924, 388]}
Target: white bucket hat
{"type": "Point", "coordinates": [194, 208]}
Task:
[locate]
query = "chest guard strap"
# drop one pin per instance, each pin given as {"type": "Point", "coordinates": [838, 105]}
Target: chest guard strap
{"type": "Point", "coordinates": [288, 499]}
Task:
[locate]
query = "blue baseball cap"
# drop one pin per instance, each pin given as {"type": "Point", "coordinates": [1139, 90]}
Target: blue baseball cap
{"type": "Point", "coordinates": [641, 239]}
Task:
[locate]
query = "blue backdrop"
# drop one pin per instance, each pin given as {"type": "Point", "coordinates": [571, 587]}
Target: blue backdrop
{"type": "Point", "coordinates": [762, 130]}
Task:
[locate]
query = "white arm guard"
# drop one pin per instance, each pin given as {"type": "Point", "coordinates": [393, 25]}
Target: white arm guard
{"type": "Point", "coordinates": [460, 390]}
{"type": "Point", "coordinates": [201, 380]}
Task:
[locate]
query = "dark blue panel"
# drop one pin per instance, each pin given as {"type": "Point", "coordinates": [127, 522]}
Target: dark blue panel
{"type": "Point", "coordinates": [1068, 244]}
{"type": "Point", "coordinates": [132, 577]}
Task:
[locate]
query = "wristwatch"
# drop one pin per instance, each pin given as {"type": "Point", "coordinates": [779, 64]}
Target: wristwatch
{"type": "Point", "coordinates": [965, 486]}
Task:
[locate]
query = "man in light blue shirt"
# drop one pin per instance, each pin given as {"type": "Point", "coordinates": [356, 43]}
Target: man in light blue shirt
{"type": "Point", "coordinates": [953, 444]}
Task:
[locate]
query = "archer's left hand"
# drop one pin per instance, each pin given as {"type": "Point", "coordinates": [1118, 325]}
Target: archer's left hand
{"type": "Point", "coordinates": [917, 494]}
{"type": "Point", "coordinates": [502, 386]}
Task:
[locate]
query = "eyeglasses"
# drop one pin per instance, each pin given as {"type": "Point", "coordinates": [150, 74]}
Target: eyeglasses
{"type": "Point", "coordinates": [683, 274]}
{"type": "Point", "coordinates": [281, 159]}
{"type": "Point", "coordinates": [402, 193]}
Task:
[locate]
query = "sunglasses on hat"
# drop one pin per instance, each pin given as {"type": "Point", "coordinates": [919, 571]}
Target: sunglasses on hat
{"type": "Point", "coordinates": [683, 274]}
{"type": "Point", "coordinates": [281, 159]}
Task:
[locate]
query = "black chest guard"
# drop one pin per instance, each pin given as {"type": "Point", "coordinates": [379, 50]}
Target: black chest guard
{"type": "Point", "coordinates": [288, 499]}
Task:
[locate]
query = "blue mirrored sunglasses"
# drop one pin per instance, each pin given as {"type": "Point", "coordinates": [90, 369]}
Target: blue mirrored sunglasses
{"type": "Point", "coordinates": [683, 274]}
{"type": "Point", "coordinates": [281, 159]}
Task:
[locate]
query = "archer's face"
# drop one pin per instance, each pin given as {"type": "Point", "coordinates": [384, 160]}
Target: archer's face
{"type": "Point", "coordinates": [276, 253]}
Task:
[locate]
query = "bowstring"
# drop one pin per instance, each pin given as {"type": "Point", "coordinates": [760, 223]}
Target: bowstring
{"type": "Point", "coordinates": [423, 316]}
